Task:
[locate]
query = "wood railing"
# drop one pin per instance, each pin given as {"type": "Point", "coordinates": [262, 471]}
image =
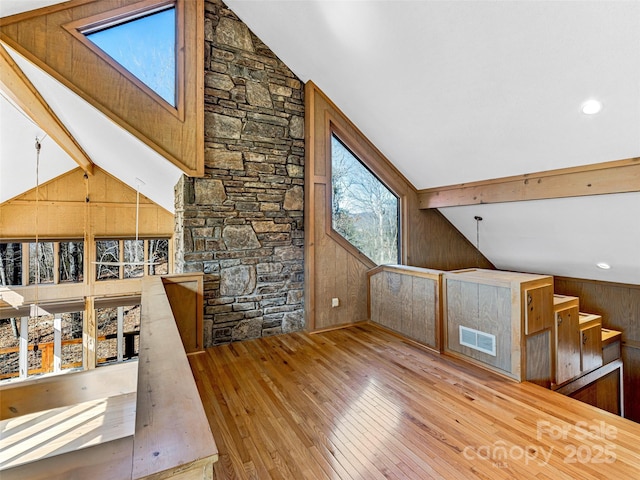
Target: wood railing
{"type": "Point", "coordinates": [158, 432]}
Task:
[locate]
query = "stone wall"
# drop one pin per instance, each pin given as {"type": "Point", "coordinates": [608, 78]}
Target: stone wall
{"type": "Point", "coordinates": [242, 224]}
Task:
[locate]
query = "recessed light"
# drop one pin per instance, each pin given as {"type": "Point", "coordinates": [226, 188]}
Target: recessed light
{"type": "Point", "coordinates": [591, 107]}
{"type": "Point", "coordinates": [603, 265]}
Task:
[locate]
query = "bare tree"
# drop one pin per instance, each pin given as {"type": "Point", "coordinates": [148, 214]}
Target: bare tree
{"type": "Point", "coordinates": [107, 251]}
{"type": "Point", "coordinates": [71, 261]}
{"type": "Point", "coordinates": [158, 256]}
{"type": "Point", "coordinates": [364, 210]}
{"type": "Point", "coordinates": [133, 257]}
{"type": "Point", "coordinates": [41, 262]}
{"type": "Point", "coordinates": [10, 264]}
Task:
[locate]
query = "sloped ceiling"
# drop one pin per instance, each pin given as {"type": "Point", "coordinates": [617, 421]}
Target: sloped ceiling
{"type": "Point", "coordinates": [454, 91]}
{"type": "Point", "coordinates": [18, 156]}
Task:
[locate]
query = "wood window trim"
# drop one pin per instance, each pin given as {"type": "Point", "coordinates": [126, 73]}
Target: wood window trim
{"type": "Point", "coordinates": [351, 143]}
{"type": "Point", "coordinates": [113, 18]}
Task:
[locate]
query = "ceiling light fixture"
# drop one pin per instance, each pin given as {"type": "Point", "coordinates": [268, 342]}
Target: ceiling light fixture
{"type": "Point", "coordinates": [591, 107]}
{"type": "Point", "coordinates": [603, 265]}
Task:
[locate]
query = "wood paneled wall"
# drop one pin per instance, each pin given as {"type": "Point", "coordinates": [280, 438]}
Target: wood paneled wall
{"type": "Point", "coordinates": [64, 212]}
{"type": "Point", "coordinates": [407, 300]}
{"type": "Point", "coordinates": [333, 269]}
{"type": "Point", "coordinates": [619, 305]}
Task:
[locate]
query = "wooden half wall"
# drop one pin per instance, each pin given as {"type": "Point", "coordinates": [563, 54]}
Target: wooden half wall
{"type": "Point", "coordinates": [334, 268]}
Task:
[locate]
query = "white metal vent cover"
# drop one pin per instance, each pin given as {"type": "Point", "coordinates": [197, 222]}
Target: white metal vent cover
{"type": "Point", "coordinates": [481, 341]}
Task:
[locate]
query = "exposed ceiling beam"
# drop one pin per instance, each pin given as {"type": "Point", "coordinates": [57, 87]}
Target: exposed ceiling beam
{"type": "Point", "coordinates": [15, 84]}
{"type": "Point", "coordinates": [619, 176]}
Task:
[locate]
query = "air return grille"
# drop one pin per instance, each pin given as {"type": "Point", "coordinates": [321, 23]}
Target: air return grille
{"type": "Point", "coordinates": [481, 341]}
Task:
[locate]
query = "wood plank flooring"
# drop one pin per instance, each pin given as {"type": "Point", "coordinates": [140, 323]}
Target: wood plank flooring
{"type": "Point", "coordinates": [361, 403]}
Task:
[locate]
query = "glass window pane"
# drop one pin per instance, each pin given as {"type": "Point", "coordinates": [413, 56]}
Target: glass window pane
{"type": "Point", "coordinates": [159, 256]}
{"type": "Point", "coordinates": [364, 211]}
{"type": "Point", "coordinates": [131, 330]}
{"type": "Point", "coordinates": [41, 262]}
{"type": "Point", "coordinates": [71, 261]}
{"type": "Point", "coordinates": [9, 347]}
{"type": "Point", "coordinates": [107, 252]}
{"type": "Point", "coordinates": [145, 46]}
{"type": "Point", "coordinates": [133, 258]}
{"type": "Point", "coordinates": [40, 354]}
{"type": "Point", "coordinates": [107, 322]}
{"type": "Point", "coordinates": [71, 339]}
{"type": "Point", "coordinates": [10, 264]}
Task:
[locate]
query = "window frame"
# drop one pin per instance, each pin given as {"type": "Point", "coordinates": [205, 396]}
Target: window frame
{"type": "Point", "coordinates": [51, 362]}
{"type": "Point", "coordinates": [89, 270]}
{"type": "Point", "coordinates": [351, 144]}
{"type": "Point", "coordinates": [25, 245]}
{"type": "Point", "coordinates": [145, 249]}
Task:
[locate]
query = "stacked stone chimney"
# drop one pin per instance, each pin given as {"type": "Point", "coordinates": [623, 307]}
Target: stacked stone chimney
{"type": "Point", "coordinates": [242, 224]}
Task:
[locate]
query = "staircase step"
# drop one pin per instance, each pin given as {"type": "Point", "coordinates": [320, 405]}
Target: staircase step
{"type": "Point", "coordinates": [561, 302]}
{"type": "Point", "coordinates": [588, 320]}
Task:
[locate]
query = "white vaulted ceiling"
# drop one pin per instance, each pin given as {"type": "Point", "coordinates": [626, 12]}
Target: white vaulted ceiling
{"type": "Point", "coordinates": [459, 91]}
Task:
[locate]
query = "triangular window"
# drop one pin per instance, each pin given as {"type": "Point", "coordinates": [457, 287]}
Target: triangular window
{"type": "Point", "coordinates": [145, 45]}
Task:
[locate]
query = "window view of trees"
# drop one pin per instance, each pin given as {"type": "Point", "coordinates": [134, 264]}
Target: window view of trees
{"type": "Point", "coordinates": [118, 333]}
{"type": "Point", "coordinates": [159, 256]}
{"type": "Point", "coordinates": [10, 264]}
{"type": "Point", "coordinates": [107, 251]}
{"type": "Point", "coordinates": [41, 262]}
{"type": "Point", "coordinates": [134, 257]}
{"type": "Point", "coordinates": [40, 350]}
{"type": "Point", "coordinates": [71, 335]}
{"type": "Point", "coordinates": [9, 347]}
{"type": "Point", "coordinates": [364, 211]}
{"type": "Point", "coordinates": [51, 343]}
{"type": "Point", "coordinates": [71, 257]}
{"type": "Point", "coordinates": [71, 261]}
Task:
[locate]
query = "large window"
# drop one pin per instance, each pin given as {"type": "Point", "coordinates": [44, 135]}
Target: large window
{"type": "Point", "coordinates": [118, 259]}
{"type": "Point", "coordinates": [32, 345]}
{"type": "Point", "coordinates": [363, 210]}
{"type": "Point", "coordinates": [48, 262]}
{"type": "Point", "coordinates": [52, 342]}
{"type": "Point", "coordinates": [56, 262]}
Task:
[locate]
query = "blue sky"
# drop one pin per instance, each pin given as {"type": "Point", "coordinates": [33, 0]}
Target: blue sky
{"type": "Point", "coordinates": [146, 47]}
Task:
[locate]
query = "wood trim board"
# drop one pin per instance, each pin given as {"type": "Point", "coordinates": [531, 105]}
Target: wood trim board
{"type": "Point", "coordinates": [618, 176]}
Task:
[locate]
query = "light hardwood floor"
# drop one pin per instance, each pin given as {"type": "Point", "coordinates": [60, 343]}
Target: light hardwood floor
{"type": "Point", "coordinates": [361, 403]}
